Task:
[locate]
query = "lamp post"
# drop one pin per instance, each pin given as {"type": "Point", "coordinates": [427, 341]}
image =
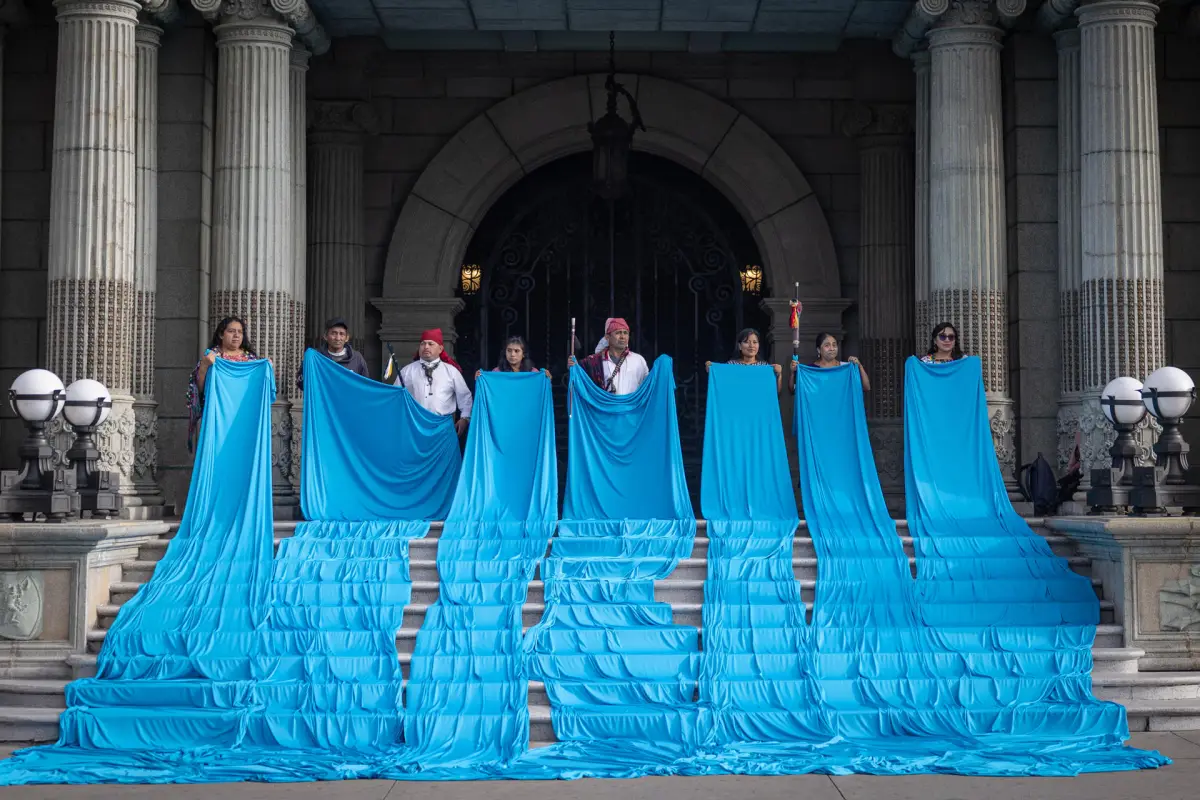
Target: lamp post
{"type": "Point", "coordinates": [612, 136]}
{"type": "Point", "coordinates": [1168, 394]}
{"type": "Point", "coordinates": [1121, 402]}
{"type": "Point", "coordinates": [87, 405]}
{"type": "Point", "coordinates": [37, 397]}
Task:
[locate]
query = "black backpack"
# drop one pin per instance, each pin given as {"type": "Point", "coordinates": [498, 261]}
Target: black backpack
{"type": "Point", "coordinates": [1039, 486]}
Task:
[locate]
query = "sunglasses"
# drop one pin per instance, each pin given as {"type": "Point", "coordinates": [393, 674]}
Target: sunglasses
{"type": "Point", "coordinates": [947, 337]}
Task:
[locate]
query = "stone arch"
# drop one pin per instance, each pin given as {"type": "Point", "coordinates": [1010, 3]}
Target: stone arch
{"type": "Point", "coordinates": [547, 122]}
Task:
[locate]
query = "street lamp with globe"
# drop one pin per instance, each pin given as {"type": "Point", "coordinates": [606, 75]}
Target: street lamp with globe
{"type": "Point", "coordinates": [37, 397]}
{"type": "Point", "coordinates": [88, 404]}
{"type": "Point", "coordinates": [1168, 393]}
{"type": "Point", "coordinates": [1121, 402]}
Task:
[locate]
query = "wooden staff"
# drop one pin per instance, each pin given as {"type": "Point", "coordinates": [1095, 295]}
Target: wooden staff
{"type": "Point", "coordinates": [570, 352]}
{"type": "Point", "coordinates": [794, 322]}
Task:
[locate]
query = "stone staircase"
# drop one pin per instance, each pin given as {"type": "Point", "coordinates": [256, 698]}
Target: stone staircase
{"type": "Point", "coordinates": [30, 705]}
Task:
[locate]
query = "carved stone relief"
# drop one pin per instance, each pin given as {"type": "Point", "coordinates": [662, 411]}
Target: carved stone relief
{"type": "Point", "coordinates": [22, 596]}
{"type": "Point", "coordinates": [1179, 603]}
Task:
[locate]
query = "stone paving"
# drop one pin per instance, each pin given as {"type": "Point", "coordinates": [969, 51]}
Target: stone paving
{"type": "Point", "coordinates": [1176, 782]}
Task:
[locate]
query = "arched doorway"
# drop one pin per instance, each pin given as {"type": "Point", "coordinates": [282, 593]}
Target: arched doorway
{"type": "Point", "coordinates": [668, 257]}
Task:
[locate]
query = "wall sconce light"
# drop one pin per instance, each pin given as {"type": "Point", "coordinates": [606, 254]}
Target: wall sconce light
{"type": "Point", "coordinates": [472, 277]}
{"type": "Point", "coordinates": [752, 279]}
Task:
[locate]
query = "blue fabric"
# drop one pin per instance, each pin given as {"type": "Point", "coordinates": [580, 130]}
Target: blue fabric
{"type": "Point", "coordinates": [232, 666]}
{"type": "Point", "coordinates": [467, 693]}
{"type": "Point", "coordinates": [371, 452]}
{"type": "Point", "coordinates": [615, 665]}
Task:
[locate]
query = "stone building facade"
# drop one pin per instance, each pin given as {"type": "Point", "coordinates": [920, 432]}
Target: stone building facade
{"type": "Point", "coordinates": [1030, 173]}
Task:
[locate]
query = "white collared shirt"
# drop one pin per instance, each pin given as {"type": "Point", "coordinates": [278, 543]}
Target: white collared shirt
{"type": "Point", "coordinates": [447, 391]}
{"type": "Point", "coordinates": [632, 373]}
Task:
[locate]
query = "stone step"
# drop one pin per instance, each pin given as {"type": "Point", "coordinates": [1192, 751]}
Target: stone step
{"type": "Point", "coordinates": [1122, 660]}
{"type": "Point", "coordinates": [24, 724]}
{"type": "Point", "coordinates": [32, 693]}
{"type": "Point", "coordinates": [1163, 715]}
{"type": "Point", "coordinates": [1123, 687]}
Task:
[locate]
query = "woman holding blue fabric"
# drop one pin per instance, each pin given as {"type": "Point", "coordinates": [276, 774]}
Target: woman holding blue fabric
{"type": "Point", "coordinates": [515, 359]}
{"type": "Point", "coordinates": [827, 358]}
{"type": "Point", "coordinates": [749, 342]}
{"type": "Point", "coordinates": [944, 345]}
{"type": "Point", "coordinates": [230, 343]}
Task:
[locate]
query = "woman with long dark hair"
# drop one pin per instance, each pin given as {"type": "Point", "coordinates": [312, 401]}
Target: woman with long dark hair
{"type": "Point", "coordinates": [748, 347]}
{"type": "Point", "coordinates": [827, 357]}
{"type": "Point", "coordinates": [944, 345]}
{"type": "Point", "coordinates": [230, 342]}
{"type": "Point", "coordinates": [515, 359]}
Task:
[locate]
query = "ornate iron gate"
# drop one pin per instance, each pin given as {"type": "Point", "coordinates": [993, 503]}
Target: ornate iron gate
{"type": "Point", "coordinates": [661, 257]}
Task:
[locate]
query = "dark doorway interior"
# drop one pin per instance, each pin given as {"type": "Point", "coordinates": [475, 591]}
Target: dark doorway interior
{"type": "Point", "coordinates": [667, 257]}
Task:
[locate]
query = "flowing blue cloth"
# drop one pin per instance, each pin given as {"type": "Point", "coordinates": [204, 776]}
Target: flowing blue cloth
{"type": "Point", "coordinates": [615, 666]}
{"type": "Point", "coordinates": [467, 693]}
{"type": "Point", "coordinates": [371, 452]}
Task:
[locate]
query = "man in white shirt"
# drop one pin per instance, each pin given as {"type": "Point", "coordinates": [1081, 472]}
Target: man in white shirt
{"type": "Point", "coordinates": [615, 368]}
{"type": "Point", "coordinates": [435, 380]}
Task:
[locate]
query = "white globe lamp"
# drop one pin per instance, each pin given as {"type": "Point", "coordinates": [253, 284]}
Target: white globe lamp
{"type": "Point", "coordinates": [1121, 401]}
{"type": "Point", "coordinates": [88, 404]}
{"type": "Point", "coordinates": [36, 396]}
{"type": "Point", "coordinates": [1168, 393]}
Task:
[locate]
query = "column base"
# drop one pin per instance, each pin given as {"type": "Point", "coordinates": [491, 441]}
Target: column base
{"type": "Point", "coordinates": [887, 443]}
{"type": "Point", "coordinates": [147, 501]}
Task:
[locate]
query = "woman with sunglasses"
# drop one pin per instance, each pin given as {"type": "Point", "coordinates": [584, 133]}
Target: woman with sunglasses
{"type": "Point", "coordinates": [943, 345]}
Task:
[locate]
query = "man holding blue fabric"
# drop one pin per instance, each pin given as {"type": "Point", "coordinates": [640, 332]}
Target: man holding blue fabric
{"type": "Point", "coordinates": [615, 368]}
{"type": "Point", "coordinates": [435, 380]}
{"type": "Point", "coordinates": [338, 350]}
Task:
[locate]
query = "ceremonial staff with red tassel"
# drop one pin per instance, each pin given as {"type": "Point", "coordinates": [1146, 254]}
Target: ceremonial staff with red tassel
{"type": "Point", "coordinates": [570, 352]}
{"type": "Point", "coordinates": [794, 323]}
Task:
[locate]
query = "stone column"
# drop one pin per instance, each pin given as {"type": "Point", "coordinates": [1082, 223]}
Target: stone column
{"type": "Point", "coordinates": [253, 269]}
{"type": "Point", "coordinates": [885, 274]}
{"type": "Point", "coordinates": [93, 207]}
{"type": "Point", "coordinates": [145, 269]}
{"type": "Point", "coordinates": [1070, 257]}
{"type": "Point", "coordinates": [968, 275]}
{"type": "Point", "coordinates": [299, 254]}
{"type": "Point", "coordinates": [921, 211]}
{"type": "Point", "coordinates": [1121, 286]}
{"type": "Point", "coordinates": [337, 280]}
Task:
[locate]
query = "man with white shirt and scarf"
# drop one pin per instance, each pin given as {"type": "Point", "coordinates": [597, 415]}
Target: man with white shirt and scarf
{"type": "Point", "coordinates": [615, 368]}
{"type": "Point", "coordinates": [435, 381]}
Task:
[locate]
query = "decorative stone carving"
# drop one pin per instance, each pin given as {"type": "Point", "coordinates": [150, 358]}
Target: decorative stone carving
{"type": "Point", "coordinates": [1004, 427]}
{"type": "Point", "coordinates": [1065, 427]}
{"type": "Point", "coordinates": [877, 120]}
{"type": "Point", "coordinates": [345, 116]}
{"type": "Point", "coordinates": [145, 441]}
{"type": "Point", "coordinates": [296, 444]}
{"type": "Point", "coordinates": [968, 12]}
{"type": "Point", "coordinates": [887, 443]}
{"type": "Point", "coordinates": [281, 446]}
{"type": "Point", "coordinates": [1179, 603]}
{"type": "Point", "coordinates": [22, 597]}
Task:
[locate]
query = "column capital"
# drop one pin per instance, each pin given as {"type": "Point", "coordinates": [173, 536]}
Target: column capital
{"type": "Point", "coordinates": [1067, 39]}
{"type": "Point", "coordinates": [300, 57]}
{"type": "Point", "coordinates": [119, 9]}
{"type": "Point", "coordinates": [1129, 11]}
{"type": "Point", "coordinates": [354, 117]}
{"type": "Point", "coordinates": [149, 35]}
{"type": "Point", "coordinates": [878, 125]}
{"type": "Point", "coordinates": [296, 14]}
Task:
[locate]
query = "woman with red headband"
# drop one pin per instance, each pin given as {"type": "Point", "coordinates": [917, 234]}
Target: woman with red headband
{"type": "Point", "coordinates": [615, 368]}
{"type": "Point", "coordinates": [435, 380]}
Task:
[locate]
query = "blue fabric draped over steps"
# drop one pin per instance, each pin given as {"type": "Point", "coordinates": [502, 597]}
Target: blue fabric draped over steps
{"type": "Point", "coordinates": [468, 686]}
{"type": "Point", "coordinates": [228, 666]}
{"type": "Point", "coordinates": [619, 673]}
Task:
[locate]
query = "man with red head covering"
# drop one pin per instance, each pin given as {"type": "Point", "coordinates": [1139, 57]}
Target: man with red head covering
{"type": "Point", "coordinates": [615, 368]}
{"type": "Point", "coordinates": [435, 380]}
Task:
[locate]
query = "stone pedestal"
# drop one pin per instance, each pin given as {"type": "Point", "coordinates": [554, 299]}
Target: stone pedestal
{"type": "Point", "coordinates": [1150, 569]}
{"type": "Point", "coordinates": [336, 270]}
{"type": "Point", "coordinates": [52, 578]}
{"type": "Point", "coordinates": [404, 320]}
{"type": "Point", "coordinates": [93, 210]}
{"type": "Point", "coordinates": [1121, 329]}
{"type": "Point", "coordinates": [253, 265]}
{"type": "Point", "coordinates": [968, 273]}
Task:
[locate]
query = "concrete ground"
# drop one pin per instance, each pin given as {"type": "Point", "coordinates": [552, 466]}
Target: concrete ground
{"type": "Point", "coordinates": [1179, 781]}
